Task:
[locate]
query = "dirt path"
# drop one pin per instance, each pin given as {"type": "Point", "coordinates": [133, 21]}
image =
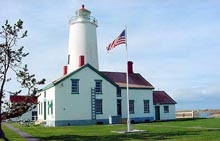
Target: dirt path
{"type": "Point", "coordinates": [22, 134]}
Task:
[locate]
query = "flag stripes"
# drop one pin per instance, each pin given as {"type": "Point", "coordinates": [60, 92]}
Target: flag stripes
{"type": "Point", "coordinates": [121, 39]}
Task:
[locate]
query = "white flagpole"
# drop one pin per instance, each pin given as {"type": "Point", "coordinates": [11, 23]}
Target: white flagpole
{"type": "Point", "coordinates": [128, 118]}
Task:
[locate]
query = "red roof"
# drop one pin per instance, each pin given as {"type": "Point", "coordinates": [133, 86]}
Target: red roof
{"type": "Point", "coordinates": [135, 79]}
{"type": "Point", "coordinates": [161, 97]}
{"type": "Point", "coordinates": [22, 98]}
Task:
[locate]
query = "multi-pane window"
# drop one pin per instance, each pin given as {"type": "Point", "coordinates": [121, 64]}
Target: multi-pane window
{"type": "Point", "coordinates": [98, 86]}
{"type": "Point", "coordinates": [75, 86]}
{"type": "Point", "coordinates": [166, 109]}
{"type": "Point", "coordinates": [98, 106]}
{"type": "Point", "coordinates": [118, 92]}
{"type": "Point", "coordinates": [146, 106]}
{"type": "Point", "coordinates": [34, 115]}
{"type": "Point", "coordinates": [131, 106]}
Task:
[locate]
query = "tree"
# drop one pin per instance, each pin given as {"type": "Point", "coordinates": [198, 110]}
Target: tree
{"type": "Point", "coordinates": [11, 57]}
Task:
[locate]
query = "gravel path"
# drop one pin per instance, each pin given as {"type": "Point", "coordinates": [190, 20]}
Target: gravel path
{"type": "Point", "coordinates": [22, 134]}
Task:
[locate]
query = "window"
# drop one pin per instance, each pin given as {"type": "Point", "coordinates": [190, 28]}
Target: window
{"type": "Point", "coordinates": [34, 115]}
{"type": "Point", "coordinates": [75, 86]}
{"type": "Point", "coordinates": [48, 108]}
{"type": "Point", "coordinates": [118, 92]}
{"type": "Point", "coordinates": [98, 106]}
{"type": "Point", "coordinates": [146, 106]}
{"type": "Point", "coordinates": [41, 108]}
{"type": "Point", "coordinates": [166, 109]}
{"type": "Point", "coordinates": [98, 86]}
{"type": "Point", "coordinates": [51, 107]}
{"type": "Point", "coordinates": [131, 106]}
{"type": "Point", "coordinates": [68, 59]}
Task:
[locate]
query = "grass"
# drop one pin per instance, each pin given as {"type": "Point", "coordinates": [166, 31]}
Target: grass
{"type": "Point", "coordinates": [200, 130]}
{"type": "Point", "coordinates": [207, 123]}
{"type": "Point", "coordinates": [12, 136]}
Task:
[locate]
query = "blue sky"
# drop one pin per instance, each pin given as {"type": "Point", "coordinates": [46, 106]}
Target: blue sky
{"type": "Point", "coordinates": [174, 43]}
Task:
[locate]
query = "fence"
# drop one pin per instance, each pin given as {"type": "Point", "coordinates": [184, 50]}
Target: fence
{"type": "Point", "coordinates": [181, 114]}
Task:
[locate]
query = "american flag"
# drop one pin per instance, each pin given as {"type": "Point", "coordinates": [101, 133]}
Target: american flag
{"type": "Point", "coordinates": [121, 39]}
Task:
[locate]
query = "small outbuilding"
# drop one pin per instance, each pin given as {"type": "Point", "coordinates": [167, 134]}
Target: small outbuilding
{"type": "Point", "coordinates": [164, 106]}
{"type": "Point", "coordinates": [28, 116]}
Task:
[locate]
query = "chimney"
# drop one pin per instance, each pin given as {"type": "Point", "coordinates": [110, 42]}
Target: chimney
{"type": "Point", "coordinates": [81, 60]}
{"type": "Point", "coordinates": [130, 67]}
{"type": "Point", "coordinates": [64, 70]}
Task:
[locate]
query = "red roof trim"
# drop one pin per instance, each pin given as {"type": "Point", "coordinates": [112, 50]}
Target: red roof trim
{"type": "Point", "coordinates": [22, 98]}
{"type": "Point", "coordinates": [161, 97]}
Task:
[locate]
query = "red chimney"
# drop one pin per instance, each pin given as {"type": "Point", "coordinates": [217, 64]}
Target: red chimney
{"type": "Point", "coordinates": [83, 7]}
{"type": "Point", "coordinates": [81, 60]}
{"type": "Point", "coordinates": [130, 67]}
{"type": "Point", "coordinates": [64, 70]}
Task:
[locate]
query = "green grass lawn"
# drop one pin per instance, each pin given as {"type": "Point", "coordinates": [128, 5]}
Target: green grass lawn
{"type": "Point", "coordinates": [12, 136]}
{"type": "Point", "coordinates": [208, 123]}
{"type": "Point", "coordinates": [169, 131]}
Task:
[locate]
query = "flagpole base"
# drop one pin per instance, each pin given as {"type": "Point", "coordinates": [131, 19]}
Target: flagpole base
{"type": "Point", "coordinates": [131, 131]}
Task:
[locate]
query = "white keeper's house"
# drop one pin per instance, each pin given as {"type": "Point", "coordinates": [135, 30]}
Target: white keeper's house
{"type": "Point", "coordinates": [85, 95]}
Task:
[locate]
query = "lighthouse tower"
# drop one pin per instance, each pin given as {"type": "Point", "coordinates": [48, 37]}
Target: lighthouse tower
{"type": "Point", "coordinates": [82, 40]}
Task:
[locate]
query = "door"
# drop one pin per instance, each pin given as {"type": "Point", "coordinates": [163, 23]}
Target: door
{"type": "Point", "coordinates": [157, 112]}
{"type": "Point", "coordinates": [119, 107]}
{"type": "Point", "coordinates": [45, 110]}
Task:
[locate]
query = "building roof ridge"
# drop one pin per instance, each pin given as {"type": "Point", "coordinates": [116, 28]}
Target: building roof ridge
{"type": "Point", "coordinates": [53, 83]}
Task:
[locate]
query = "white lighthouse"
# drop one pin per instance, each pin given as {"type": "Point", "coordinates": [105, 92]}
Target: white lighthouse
{"type": "Point", "coordinates": [82, 40]}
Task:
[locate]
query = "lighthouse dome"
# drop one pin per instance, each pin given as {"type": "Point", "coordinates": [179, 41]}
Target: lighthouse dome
{"type": "Point", "coordinates": [83, 12]}
{"type": "Point", "coordinates": [83, 15]}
